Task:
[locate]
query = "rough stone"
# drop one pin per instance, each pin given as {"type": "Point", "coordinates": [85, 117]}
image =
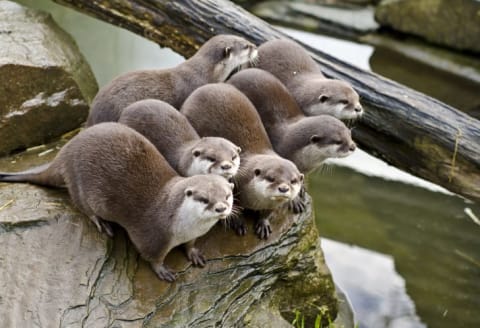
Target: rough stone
{"type": "Point", "coordinates": [57, 270]}
{"type": "Point", "coordinates": [45, 83]}
{"type": "Point", "coordinates": [455, 24]}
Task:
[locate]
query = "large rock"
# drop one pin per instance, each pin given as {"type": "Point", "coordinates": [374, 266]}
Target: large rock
{"type": "Point", "coordinates": [45, 83]}
{"type": "Point", "coordinates": [56, 270]}
{"type": "Point", "coordinates": [454, 24]}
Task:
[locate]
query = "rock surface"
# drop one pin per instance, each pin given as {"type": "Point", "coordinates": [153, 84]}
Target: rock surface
{"type": "Point", "coordinates": [450, 23]}
{"type": "Point", "coordinates": [45, 83]}
{"type": "Point", "coordinates": [57, 270]}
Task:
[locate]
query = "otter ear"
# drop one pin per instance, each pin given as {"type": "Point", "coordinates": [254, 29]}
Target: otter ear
{"type": "Point", "coordinates": [239, 150]}
{"type": "Point", "coordinates": [323, 98]}
{"type": "Point", "coordinates": [227, 51]}
{"type": "Point", "coordinates": [314, 139]}
{"type": "Point", "coordinates": [196, 152]}
{"type": "Point", "coordinates": [188, 192]}
{"type": "Point", "coordinates": [257, 172]}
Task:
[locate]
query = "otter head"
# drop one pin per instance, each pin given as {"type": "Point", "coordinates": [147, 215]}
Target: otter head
{"type": "Point", "coordinates": [206, 199]}
{"type": "Point", "coordinates": [331, 97]}
{"type": "Point", "coordinates": [216, 156]}
{"type": "Point", "coordinates": [274, 180]}
{"type": "Point", "coordinates": [228, 53]}
{"type": "Point", "coordinates": [314, 139]}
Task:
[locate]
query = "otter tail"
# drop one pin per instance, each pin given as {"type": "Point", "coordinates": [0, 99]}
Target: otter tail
{"type": "Point", "coordinates": [44, 175]}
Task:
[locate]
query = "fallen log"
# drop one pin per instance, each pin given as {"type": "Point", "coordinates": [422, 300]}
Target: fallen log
{"type": "Point", "coordinates": [405, 128]}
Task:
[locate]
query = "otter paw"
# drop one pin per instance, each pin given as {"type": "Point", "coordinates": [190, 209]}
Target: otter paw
{"type": "Point", "coordinates": [238, 225]}
{"type": "Point", "coordinates": [164, 273]}
{"type": "Point", "coordinates": [297, 205]}
{"type": "Point", "coordinates": [196, 257]}
{"type": "Point", "coordinates": [263, 229]}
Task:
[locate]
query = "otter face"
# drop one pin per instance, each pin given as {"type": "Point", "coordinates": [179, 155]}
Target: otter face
{"type": "Point", "coordinates": [235, 53]}
{"type": "Point", "coordinates": [215, 156]}
{"type": "Point", "coordinates": [331, 97]}
{"type": "Point", "coordinates": [276, 183]}
{"type": "Point", "coordinates": [208, 199]}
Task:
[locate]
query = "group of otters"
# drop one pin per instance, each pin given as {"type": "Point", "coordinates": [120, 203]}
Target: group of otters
{"type": "Point", "coordinates": [165, 175]}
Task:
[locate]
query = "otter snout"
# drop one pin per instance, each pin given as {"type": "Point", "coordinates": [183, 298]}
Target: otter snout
{"type": "Point", "coordinates": [220, 208]}
{"type": "Point", "coordinates": [283, 188]}
{"type": "Point", "coordinates": [358, 108]}
{"type": "Point", "coordinates": [226, 165]}
{"type": "Point", "coordinates": [352, 147]}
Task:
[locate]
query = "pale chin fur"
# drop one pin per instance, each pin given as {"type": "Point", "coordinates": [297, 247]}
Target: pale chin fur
{"type": "Point", "coordinates": [337, 111]}
{"type": "Point", "coordinates": [233, 62]}
{"type": "Point", "coordinates": [312, 156]}
{"type": "Point", "coordinates": [199, 166]}
{"type": "Point", "coordinates": [260, 196]}
{"type": "Point", "coordinates": [192, 220]}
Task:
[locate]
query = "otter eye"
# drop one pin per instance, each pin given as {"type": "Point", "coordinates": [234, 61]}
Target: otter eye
{"type": "Point", "coordinates": [314, 138]}
{"type": "Point", "coordinates": [246, 46]}
{"type": "Point", "coordinates": [294, 181]}
{"type": "Point", "coordinates": [343, 102]}
{"type": "Point", "coordinates": [270, 179]}
{"type": "Point", "coordinates": [257, 172]}
{"type": "Point", "coordinates": [188, 192]}
{"type": "Point", "coordinates": [323, 98]}
{"type": "Point", "coordinates": [227, 51]}
{"type": "Point", "coordinates": [210, 159]}
{"type": "Point", "coordinates": [196, 153]}
{"type": "Point", "coordinates": [203, 200]}
{"type": "Point", "coordinates": [234, 157]}
{"type": "Point", "coordinates": [338, 142]}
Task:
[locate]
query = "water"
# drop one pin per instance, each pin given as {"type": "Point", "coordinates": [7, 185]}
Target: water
{"type": "Point", "coordinates": [402, 248]}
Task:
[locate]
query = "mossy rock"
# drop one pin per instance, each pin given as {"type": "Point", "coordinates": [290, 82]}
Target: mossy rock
{"type": "Point", "coordinates": [46, 85]}
{"type": "Point", "coordinates": [57, 270]}
{"type": "Point", "coordinates": [455, 24]}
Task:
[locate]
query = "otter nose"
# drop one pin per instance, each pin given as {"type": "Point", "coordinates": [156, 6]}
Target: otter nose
{"type": "Point", "coordinates": [358, 108]}
{"type": "Point", "coordinates": [226, 166]}
{"type": "Point", "coordinates": [220, 208]}
{"type": "Point", "coordinates": [283, 189]}
{"type": "Point", "coordinates": [352, 146]}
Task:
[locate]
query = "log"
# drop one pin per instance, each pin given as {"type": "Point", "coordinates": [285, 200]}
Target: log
{"type": "Point", "coordinates": [407, 129]}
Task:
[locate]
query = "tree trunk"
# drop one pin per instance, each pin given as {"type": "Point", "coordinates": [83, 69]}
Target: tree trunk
{"type": "Point", "coordinates": [407, 129]}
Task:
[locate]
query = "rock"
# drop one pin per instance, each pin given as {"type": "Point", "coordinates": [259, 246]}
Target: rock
{"type": "Point", "coordinates": [345, 22]}
{"type": "Point", "coordinates": [57, 270]}
{"type": "Point", "coordinates": [45, 83]}
{"type": "Point", "coordinates": [455, 24]}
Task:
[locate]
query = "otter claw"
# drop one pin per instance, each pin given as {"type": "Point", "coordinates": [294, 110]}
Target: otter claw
{"type": "Point", "coordinates": [238, 225]}
{"type": "Point", "coordinates": [196, 257]}
{"type": "Point", "coordinates": [164, 273]}
{"type": "Point", "coordinates": [263, 229]}
{"type": "Point", "coordinates": [297, 205]}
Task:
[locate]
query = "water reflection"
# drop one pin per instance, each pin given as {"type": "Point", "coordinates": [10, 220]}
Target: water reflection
{"type": "Point", "coordinates": [376, 290]}
{"type": "Point", "coordinates": [434, 244]}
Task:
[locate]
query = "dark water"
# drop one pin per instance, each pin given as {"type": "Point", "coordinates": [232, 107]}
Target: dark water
{"type": "Point", "coordinates": [406, 256]}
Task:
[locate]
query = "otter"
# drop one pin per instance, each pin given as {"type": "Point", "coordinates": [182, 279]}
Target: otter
{"type": "Point", "coordinates": [178, 142]}
{"type": "Point", "coordinates": [213, 62]}
{"type": "Point", "coordinates": [305, 140]}
{"type": "Point", "coordinates": [114, 173]}
{"type": "Point", "coordinates": [313, 92]}
{"type": "Point", "coordinates": [265, 180]}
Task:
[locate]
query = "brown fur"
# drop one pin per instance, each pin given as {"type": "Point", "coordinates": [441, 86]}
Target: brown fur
{"type": "Point", "coordinates": [114, 173]}
{"type": "Point", "coordinates": [176, 139]}
{"type": "Point", "coordinates": [289, 130]}
{"type": "Point", "coordinates": [170, 85]}
{"type": "Point", "coordinates": [223, 111]}
{"type": "Point", "coordinates": [313, 92]}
